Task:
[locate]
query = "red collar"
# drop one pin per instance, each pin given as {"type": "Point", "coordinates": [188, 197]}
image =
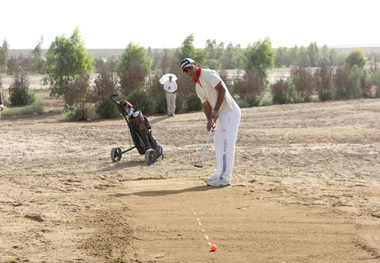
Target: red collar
{"type": "Point", "coordinates": [198, 74]}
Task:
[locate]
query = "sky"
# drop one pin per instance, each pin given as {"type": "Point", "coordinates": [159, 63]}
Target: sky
{"type": "Point", "coordinates": [166, 23]}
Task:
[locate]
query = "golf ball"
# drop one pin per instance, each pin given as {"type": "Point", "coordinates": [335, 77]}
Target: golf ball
{"type": "Point", "coordinates": [213, 248]}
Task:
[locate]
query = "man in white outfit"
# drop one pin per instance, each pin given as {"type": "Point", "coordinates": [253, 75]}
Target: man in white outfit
{"type": "Point", "coordinates": [170, 87]}
{"type": "Point", "coordinates": [218, 105]}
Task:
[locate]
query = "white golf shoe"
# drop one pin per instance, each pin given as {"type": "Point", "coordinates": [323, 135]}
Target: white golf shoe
{"type": "Point", "coordinates": [212, 178]}
{"type": "Point", "coordinates": [217, 182]}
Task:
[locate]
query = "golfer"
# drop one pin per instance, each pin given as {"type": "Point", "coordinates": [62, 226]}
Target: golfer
{"type": "Point", "coordinates": [218, 104]}
{"type": "Point", "coordinates": [170, 87]}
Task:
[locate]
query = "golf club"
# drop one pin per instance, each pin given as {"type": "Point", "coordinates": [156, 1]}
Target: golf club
{"type": "Point", "coordinates": [200, 165]}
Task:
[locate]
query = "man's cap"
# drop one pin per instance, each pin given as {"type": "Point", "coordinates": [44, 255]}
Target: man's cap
{"type": "Point", "coordinates": [187, 62]}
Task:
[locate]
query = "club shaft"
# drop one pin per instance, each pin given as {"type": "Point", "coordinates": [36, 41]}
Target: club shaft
{"type": "Point", "coordinates": [209, 134]}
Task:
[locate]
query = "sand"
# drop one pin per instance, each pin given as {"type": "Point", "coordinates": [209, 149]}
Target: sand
{"type": "Point", "coordinates": [306, 188]}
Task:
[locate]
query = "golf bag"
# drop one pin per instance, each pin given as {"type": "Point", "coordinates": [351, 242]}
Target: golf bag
{"type": "Point", "coordinates": [141, 133]}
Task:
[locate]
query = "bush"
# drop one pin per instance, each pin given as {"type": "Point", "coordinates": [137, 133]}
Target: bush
{"type": "Point", "coordinates": [375, 80]}
{"type": "Point", "coordinates": [20, 94]}
{"type": "Point", "coordinates": [366, 85]}
{"type": "Point", "coordinates": [323, 77]}
{"type": "Point", "coordinates": [193, 103]}
{"type": "Point", "coordinates": [304, 82]}
{"type": "Point", "coordinates": [280, 92]}
{"type": "Point", "coordinates": [105, 85]}
{"type": "Point", "coordinates": [161, 105]}
{"type": "Point", "coordinates": [179, 103]}
{"type": "Point", "coordinates": [141, 100]}
{"type": "Point", "coordinates": [106, 109]}
{"type": "Point", "coordinates": [250, 87]}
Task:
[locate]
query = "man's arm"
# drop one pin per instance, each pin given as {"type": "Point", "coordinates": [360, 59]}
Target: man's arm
{"type": "Point", "coordinates": [221, 92]}
{"type": "Point", "coordinates": [208, 112]}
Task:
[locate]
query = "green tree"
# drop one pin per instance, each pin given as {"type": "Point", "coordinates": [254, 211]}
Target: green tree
{"type": "Point", "coordinates": [188, 50]}
{"type": "Point", "coordinates": [356, 57]}
{"type": "Point", "coordinates": [313, 54]}
{"type": "Point", "coordinates": [4, 56]}
{"type": "Point", "coordinates": [280, 57]}
{"type": "Point", "coordinates": [230, 56]}
{"type": "Point", "coordinates": [260, 57]}
{"type": "Point", "coordinates": [66, 61]}
{"type": "Point", "coordinates": [36, 59]}
{"type": "Point", "coordinates": [133, 68]}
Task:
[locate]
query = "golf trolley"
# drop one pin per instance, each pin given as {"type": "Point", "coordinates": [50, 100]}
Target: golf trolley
{"type": "Point", "coordinates": [141, 133]}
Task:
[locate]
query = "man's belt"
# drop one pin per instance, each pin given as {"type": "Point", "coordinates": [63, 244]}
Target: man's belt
{"type": "Point", "coordinates": [171, 92]}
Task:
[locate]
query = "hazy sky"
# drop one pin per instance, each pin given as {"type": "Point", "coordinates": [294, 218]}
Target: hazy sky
{"type": "Point", "coordinates": [166, 23]}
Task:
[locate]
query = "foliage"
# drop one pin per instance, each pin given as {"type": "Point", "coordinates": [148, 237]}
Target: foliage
{"type": "Point", "coordinates": [347, 82]}
{"type": "Point", "coordinates": [313, 54]}
{"type": "Point", "coordinates": [259, 57]}
{"type": "Point", "coordinates": [323, 78]}
{"type": "Point", "coordinates": [341, 83]}
{"type": "Point", "coordinates": [366, 85]}
{"type": "Point", "coordinates": [20, 94]}
{"type": "Point", "coordinates": [193, 103]}
{"type": "Point", "coordinates": [76, 99]}
{"type": "Point", "coordinates": [303, 81]}
{"type": "Point", "coordinates": [141, 100]}
{"type": "Point", "coordinates": [356, 57]}
{"type": "Point", "coordinates": [355, 85]}
{"type": "Point", "coordinates": [105, 85]}
{"type": "Point", "coordinates": [133, 68]}
{"type": "Point", "coordinates": [105, 108]}
{"type": "Point", "coordinates": [280, 92]}
{"type": "Point", "coordinates": [250, 87]}
{"type": "Point", "coordinates": [4, 56]}
{"type": "Point", "coordinates": [66, 61]}
{"type": "Point", "coordinates": [18, 64]}
{"type": "Point", "coordinates": [188, 50]}
{"type": "Point", "coordinates": [375, 80]}
{"type": "Point", "coordinates": [36, 58]}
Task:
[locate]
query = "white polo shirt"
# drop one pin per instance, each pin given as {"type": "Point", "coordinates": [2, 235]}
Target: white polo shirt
{"type": "Point", "coordinates": [205, 88]}
{"type": "Point", "coordinates": [170, 86]}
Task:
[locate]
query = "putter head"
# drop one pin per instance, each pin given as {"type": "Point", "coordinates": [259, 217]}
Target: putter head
{"type": "Point", "coordinates": [198, 165]}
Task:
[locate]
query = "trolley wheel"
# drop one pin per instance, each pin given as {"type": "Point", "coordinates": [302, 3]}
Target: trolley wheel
{"type": "Point", "coordinates": [116, 154]}
{"type": "Point", "coordinates": [150, 156]}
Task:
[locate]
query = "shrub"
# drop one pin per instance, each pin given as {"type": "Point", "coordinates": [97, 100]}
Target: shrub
{"type": "Point", "coordinates": [355, 76]}
{"type": "Point", "coordinates": [105, 85]}
{"type": "Point", "coordinates": [304, 82]}
{"type": "Point", "coordinates": [161, 105]}
{"type": "Point", "coordinates": [341, 81]}
{"type": "Point", "coordinates": [133, 68]}
{"type": "Point", "coordinates": [20, 94]}
{"type": "Point", "coordinates": [280, 92]}
{"type": "Point", "coordinates": [141, 100]}
{"type": "Point", "coordinates": [76, 99]}
{"type": "Point", "coordinates": [375, 79]}
{"type": "Point", "coordinates": [193, 103]}
{"type": "Point", "coordinates": [366, 85]}
{"type": "Point", "coordinates": [179, 101]}
{"type": "Point", "coordinates": [250, 87]}
{"type": "Point", "coordinates": [106, 109]}
{"type": "Point", "coordinates": [323, 78]}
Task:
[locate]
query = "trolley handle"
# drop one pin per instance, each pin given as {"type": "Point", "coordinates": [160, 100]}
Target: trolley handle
{"type": "Point", "coordinates": [114, 95]}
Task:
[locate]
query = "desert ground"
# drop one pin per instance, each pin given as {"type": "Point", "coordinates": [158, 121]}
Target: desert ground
{"type": "Point", "coordinates": [306, 188]}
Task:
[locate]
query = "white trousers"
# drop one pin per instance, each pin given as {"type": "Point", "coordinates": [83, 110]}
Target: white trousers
{"type": "Point", "coordinates": [170, 100]}
{"type": "Point", "coordinates": [224, 142]}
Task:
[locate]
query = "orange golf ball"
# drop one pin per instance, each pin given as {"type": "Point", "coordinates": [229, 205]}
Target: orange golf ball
{"type": "Point", "coordinates": [213, 248]}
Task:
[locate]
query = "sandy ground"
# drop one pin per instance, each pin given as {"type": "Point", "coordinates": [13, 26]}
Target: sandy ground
{"type": "Point", "coordinates": [306, 188]}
